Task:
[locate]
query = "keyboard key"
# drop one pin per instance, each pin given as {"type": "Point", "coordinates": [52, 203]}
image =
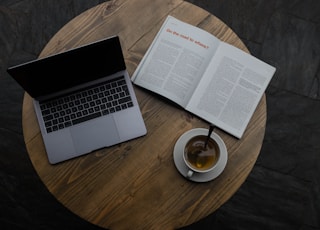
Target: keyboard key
{"type": "Point", "coordinates": [48, 124]}
{"type": "Point", "coordinates": [86, 118]}
{"type": "Point", "coordinates": [124, 100]}
{"type": "Point", "coordinates": [105, 112]}
{"type": "Point", "coordinates": [48, 118]}
{"type": "Point", "coordinates": [67, 124]}
{"type": "Point", "coordinates": [45, 112]}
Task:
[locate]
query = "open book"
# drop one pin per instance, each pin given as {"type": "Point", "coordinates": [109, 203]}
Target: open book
{"type": "Point", "coordinates": [209, 78]}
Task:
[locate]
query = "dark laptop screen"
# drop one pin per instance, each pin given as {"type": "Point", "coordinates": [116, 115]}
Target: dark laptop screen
{"type": "Point", "coordinates": [64, 70]}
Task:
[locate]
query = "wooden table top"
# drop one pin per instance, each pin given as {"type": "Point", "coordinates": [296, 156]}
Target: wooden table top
{"type": "Point", "coordinates": [136, 184]}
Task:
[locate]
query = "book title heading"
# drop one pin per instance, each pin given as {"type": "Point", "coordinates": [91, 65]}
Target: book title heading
{"type": "Point", "coordinates": [187, 38]}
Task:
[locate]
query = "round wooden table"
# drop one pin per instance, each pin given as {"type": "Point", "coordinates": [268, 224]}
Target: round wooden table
{"type": "Point", "coordinates": [135, 185]}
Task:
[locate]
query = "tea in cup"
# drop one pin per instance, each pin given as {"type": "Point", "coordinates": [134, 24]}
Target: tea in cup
{"type": "Point", "coordinates": [199, 156]}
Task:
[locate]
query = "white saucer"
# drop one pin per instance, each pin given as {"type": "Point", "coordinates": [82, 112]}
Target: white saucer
{"type": "Point", "coordinates": [181, 166]}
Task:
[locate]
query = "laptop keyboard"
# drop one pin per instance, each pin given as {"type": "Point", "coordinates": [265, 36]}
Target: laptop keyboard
{"type": "Point", "coordinates": [103, 99]}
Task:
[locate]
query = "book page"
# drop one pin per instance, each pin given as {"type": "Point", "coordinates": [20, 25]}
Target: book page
{"type": "Point", "coordinates": [176, 60]}
{"type": "Point", "coordinates": [231, 89]}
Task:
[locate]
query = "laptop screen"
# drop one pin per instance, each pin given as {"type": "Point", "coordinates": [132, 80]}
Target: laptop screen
{"type": "Point", "coordinates": [73, 67]}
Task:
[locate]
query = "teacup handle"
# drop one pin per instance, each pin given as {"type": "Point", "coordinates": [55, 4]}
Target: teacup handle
{"type": "Point", "coordinates": [189, 174]}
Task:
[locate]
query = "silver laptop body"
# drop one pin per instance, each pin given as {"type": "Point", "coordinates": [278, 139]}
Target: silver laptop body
{"type": "Point", "coordinates": [83, 99]}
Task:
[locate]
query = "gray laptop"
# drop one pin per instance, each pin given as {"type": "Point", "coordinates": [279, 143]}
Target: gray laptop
{"type": "Point", "coordinates": [83, 98]}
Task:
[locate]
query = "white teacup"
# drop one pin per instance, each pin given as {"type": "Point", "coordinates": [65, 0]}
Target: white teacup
{"type": "Point", "coordinates": [198, 157]}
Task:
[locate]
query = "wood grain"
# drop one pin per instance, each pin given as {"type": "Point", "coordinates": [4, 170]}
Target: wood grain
{"type": "Point", "coordinates": [135, 184]}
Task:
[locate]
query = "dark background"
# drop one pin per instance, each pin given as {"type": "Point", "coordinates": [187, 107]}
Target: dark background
{"type": "Point", "coordinates": [283, 189]}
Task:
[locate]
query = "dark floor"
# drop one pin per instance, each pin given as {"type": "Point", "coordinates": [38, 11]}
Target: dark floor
{"type": "Point", "coordinates": [283, 190]}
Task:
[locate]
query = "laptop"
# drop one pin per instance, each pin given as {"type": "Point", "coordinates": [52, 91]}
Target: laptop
{"type": "Point", "coordinates": [83, 99]}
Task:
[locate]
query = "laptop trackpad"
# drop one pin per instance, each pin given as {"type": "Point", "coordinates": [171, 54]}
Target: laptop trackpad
{"type": "Point", "coordinates": [95, 134]}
